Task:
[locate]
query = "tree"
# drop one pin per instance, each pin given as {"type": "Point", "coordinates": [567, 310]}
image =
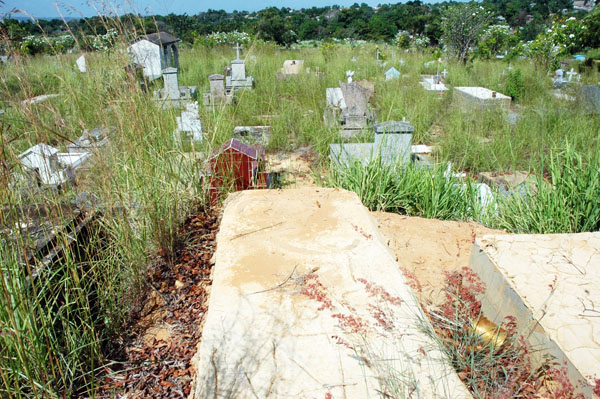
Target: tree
{"type": "Point", "coordinates": [462, 26]}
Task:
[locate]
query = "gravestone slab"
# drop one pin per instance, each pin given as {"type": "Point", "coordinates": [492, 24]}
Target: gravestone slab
{"type": "Point", "coordinates": [549, 283]}
{"type": "Point", "coordinates": [392, 73]}
{"type": "Point", "coordinates": [291, 68]}
{"type": "Point", "coordinates": [51, 167]}
{"type": "Point", "coordinates": [266, 336]}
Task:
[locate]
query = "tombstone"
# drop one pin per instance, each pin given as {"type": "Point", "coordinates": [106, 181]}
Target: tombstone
{"type": "Point", "coordinates": [50, 167]}
{"type": "Point", "coordinates": [252, 135]}
{"type": "Point", "coordinates": [290, 68]}
{"type": "Point", "coordinates": [590, 99]}
{"type": "Point", "coordinates": [355, 116]}
{"type": "Point", "coordinates": [444, 73]}
{"type": "Point", "coordinates": [81, 64]}
{"type": "Point", "coordinates": [392, 73]}
{"type": "Point", "coordinates": [392, 146]}
{"type": "Point", "coordinates": [92, 140]}
{"type": "Point", "coordinates": [39, 99]}
{"type": "Point", "coordinates": [172, 94]}
{"type": "Point", "coordinates": [217, 94]}
{"type": "Point", "coordinates": [401, 62]}
{"type": "Point", "coordinates": [235, 78]}
{"type": "Point", "coordinates": [559, 81]}
{"type": "Point", "coordinates": [393, 141]}
{"type": "Point", "coordinates": [171, 83]}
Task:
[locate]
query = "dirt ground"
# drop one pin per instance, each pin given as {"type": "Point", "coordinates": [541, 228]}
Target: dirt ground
{"type": "Point", "coordinates": [296, 167]}
{"type": "Point", "coordinates": [428, 248]}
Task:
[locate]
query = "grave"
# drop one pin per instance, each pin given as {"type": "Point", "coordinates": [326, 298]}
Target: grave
{"type": "Point", "coordinates": [155, 52]}
{"type": "Point", "coordinates": [356, 115]}
{"type": "Point", "coordinates": [433, 83]}
{"type": "Point", "coordinates": [508, 183]}
{"type": "Point", "coordinates": [291, 68]}
{"type": "Point", "coordinates": [217, 94]}
{"type": "Point", "coordinates": [189, 126]}
{"type": "Point", "coordinates": [173, 95]}
{"type": "Point", "coordinates": [253, 135]}
{"type": "Point", "coordinates": [549, 283]}
{"type": "Point", "coordinates": [590, 99]}
{"type": "Point", "coordinates": [392, 145]}
{"type": "Point", "coordinates": [92, 140]}
{"type": "Point", "coordinates": [47, 166]}
{"type": "Point", "coordinates": [81, 64]}
{"type": "Point", "coordinates": [391, 74]}
{"type": "Point", "coordinates": [235, 76]}
{"type": "Point", "coordinates": [267, 335]}
{"type": "Point", "coordinates": [480, 97]}
{"type": "Point", "coordinates": [559, 81]}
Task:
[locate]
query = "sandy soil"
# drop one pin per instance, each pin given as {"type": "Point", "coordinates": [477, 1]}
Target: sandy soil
{"type": "Point", "coordinates": [428, 248]}
{"type": "Point", "coordinates": [295, 166]}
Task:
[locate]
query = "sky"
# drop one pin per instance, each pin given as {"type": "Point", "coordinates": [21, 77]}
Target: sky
{"type": "Point", "coordinates": [78, 8]}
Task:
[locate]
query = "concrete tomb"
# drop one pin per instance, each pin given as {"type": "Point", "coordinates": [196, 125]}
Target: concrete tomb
{"type": "Point", "coordinates": [155, 52]}
{"type": "Point", "coordinates": [252, 135]}
{"type": "Point", "coordinates": [480, 97]}
{"type": "Point", "coordinates": [291, 68]}
{"type": "Point", "coordinates": [549, 283]}
{"type": "Point", "coordinates": [297, 276]}
{"type": "Point", "coordinates": [347, 107]}
{"type": "Point", "coordinates": [47, 166]}
{"type": "Point", "coordinates": [433, 83]}
{"type": "Point", "coordinates": [217, 94]}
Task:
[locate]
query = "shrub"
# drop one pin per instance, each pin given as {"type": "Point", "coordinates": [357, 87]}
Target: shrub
{"type": "Point", "coordinates": [514, 86]}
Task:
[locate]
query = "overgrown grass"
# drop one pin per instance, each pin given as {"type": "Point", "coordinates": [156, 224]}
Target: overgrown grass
{"type": "Point", "coordinates": [54, 329]}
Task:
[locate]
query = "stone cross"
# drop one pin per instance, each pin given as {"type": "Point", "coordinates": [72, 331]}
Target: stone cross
{"type": "Point", "coordinates": [445, 73]}
{"type": "Point", "coordinates": [237, 50]}
{"type": "Point", "coordinates": [570, 74]}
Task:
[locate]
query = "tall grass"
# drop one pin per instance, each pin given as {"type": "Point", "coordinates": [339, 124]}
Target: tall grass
{"type": "Point", "coordinates": [55, 329]}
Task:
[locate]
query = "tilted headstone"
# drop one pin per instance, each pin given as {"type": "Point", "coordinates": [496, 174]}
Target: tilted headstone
{"type": "Point", "coordinates": [51, 167]}
{"type": "Point", "coordinates": [356, 98]}
{"type": "Point", "coordinates": [252, 135]}
{"type": "Point", "coordinates": [335, 97]}
{"type": "Point", "coordinates": [217, 94]}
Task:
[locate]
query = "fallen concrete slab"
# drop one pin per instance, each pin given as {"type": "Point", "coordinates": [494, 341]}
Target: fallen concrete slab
{"type": "Point", "coordinates": [307, 302]}
{"type": "Point", "coordinates": [549, 283]}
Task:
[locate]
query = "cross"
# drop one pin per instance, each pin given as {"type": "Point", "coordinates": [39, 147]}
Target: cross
{"type": "Point", "coordinates": [444, 73]}
{"type": "Point", "coordinates": [571, 73]}
{"type": "Point", "coordinates": [377, 54]}
{"type": "Point", "coordinates": [237, 50]}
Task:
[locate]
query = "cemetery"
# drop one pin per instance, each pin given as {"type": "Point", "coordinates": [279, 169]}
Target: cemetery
{"type": "Point", "coordinates": [340, 219]}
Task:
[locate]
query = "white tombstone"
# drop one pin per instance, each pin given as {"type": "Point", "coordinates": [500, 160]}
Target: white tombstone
{"type": "Point", "coordinates": [402, 62]}
{"type": "Point", "coordinates": [171, 82]}
{"type": "Point", "coordinates": [147, 54]}
{"type": "Point", "coordinates": [81, 64]}
{"type": "Point", "coordinates": [238, 70]}
{"type": "Point", "coordinates": [292, 67]}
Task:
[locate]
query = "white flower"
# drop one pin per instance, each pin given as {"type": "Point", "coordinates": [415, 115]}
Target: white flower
{"type": "Point", "coordinates": [571, 35]}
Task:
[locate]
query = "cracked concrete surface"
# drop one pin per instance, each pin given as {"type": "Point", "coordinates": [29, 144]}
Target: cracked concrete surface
{"type": "Point", "coordinates": [551, 284]}
{"type": "Point", "coordinates": [264, 338]}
